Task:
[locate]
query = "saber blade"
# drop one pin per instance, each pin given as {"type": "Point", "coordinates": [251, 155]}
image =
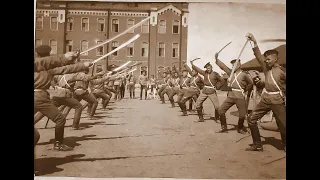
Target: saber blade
{"type": "Point", "coordinates": [224, 47]}
{"type": "Point", "coordinates": [118, 48]}
{"type": "Point", "coordinates": [109, 40]}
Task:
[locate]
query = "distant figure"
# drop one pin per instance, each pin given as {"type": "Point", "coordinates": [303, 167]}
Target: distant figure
{"type": "Point", "coordinates": [143, 81]}
{"type": "Point", "coordinates": [131, 85]}
{"type": "Point", "coordinates": [153, 86]}
{"type": "Point", "coordinates": [122, 87]}
{"type": "Point", "coordinates": [117, 88]}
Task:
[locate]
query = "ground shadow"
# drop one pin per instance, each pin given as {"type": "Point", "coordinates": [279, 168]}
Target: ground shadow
{"type": "Point", "coordinates": [49, 165]}
{"type": "Point", "coordinates": [277, 143]}
{"type": "Point", "coordinates": [72, 140]}
{"type": "Point", "coordinates": [83, 125]}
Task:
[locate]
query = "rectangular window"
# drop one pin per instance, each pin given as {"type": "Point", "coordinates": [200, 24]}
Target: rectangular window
{"type": "Point", "coordinates": [130, 23]}
{"type": "Point", "coordinates": [70, 24]}
{"type": "Point", "coordinates": [84, 46]}
{"type": "Point", "coordinates": [69, 45]}
{"type": "Point", "coordinates": [101, 24]}
{"type": "Point", "coordinates": [145, 27]}
{"type": "Point", "coordinates": [54, 46]}
{"type": "Point", "coordinates": [162, 27]}
{"type": "Point", "coordinates": [161, 49]}
{"type": "Point", "coordinates": [130, 50]}
{"type": "Point", "coordinates": [115, 25]}
{"type": "Point", "coordinates": [145, 49]}
{"type": "Point", "coordinates": [114, 45]}
{"type": "Point", "coordinates": [175, 50]}
{"type": "Point", "coordinates": [54, 23]}
{"type": "Point", "coordinates": [39, 22]}
{"type": "Point", "coordinates": [175, 27]}
{"type": "Point", "coordinates": [85, 24]}
{"type": "Point", "coordinates": [100, 49]}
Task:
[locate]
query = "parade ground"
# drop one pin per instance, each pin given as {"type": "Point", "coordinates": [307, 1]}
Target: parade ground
{"type": "Point", "coordinates": [147, 139]}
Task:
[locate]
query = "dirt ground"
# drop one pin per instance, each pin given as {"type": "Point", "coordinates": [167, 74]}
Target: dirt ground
{"type": "Point", "coordinates": [144, 138]}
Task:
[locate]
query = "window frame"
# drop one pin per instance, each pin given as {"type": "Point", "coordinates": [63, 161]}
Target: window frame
{"type": "Point", "coordinates": [132, 50]}
{"type": "Point", "coordinates": [98, 48]}
{"type": "Point", "coordinates": [51, 23]}
{"type": "Point", "coordinates": [131, 32]}
{"type": "Point", "coordinates": [52, 48]}
{"type": "Point", "coordinates": [148, 23]}
{"type": "Point", "coordinates": [41, 22]}
{"type": "Point", "coordinates": [72, 23]}
{"type": "Point", "coordinates": [87, 53]}
{"type": "Point", "coordinates": [164, 49]}
{"type": "Point", "coordinates": [104, 24]}
{"type": "Point", "coordinates": [178, 26]}
{"type": "Point", "coordinates": [115, 48]}
{"type": "Point", "coordinates": [165, 27]}
{"type": "Point", "coordinates": [117, 24]}
{"type": "Point", "coordinates": [82, 23]}
{"type": "Point", "coordinates": [68, 46]}
{"type": "Point", "coordinates": [177, 51]}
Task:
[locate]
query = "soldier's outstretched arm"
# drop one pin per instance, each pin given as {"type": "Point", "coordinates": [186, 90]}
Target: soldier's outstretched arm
{"type": "Point", "coordinates": [51, 62]}
{"type": "Point", "coordinates": [99, 81]}
{"type": "Point", "coordinates": [69, 69]}
{"type": "Point", "coordinates": [222, 66]}
{"type": "Point", "coordinates": [200, 71]}
{"type": "Point", "coordinates": [257, 52]}
{"type": "Point", "coordinates": [187, 67]}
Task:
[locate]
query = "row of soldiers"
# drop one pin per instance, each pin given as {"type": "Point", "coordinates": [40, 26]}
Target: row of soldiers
{"type": "Point", "coordinates": [72, 83]}
{"type": "Point", "coordinates": [198, 89]}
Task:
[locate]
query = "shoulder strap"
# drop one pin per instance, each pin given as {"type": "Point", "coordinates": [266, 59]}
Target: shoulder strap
{"type": "Point", "coordinates": [274, 81]}
{"type": "Point", "coordinates": [64, 78]}
{"type": "Point", "coordinates": [210, 81]}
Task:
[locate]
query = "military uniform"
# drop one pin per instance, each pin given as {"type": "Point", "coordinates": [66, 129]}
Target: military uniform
{"type": "Point", "coordinates": [175, 89]}
{"type": "Point", "coordinates": [117, 88]}
{"type": "Point", "coordinates": [162, 86]}
{"type": "Point", "coordinates": [143, 81]}
{"type": "Point", "coordinates": [42, 102]}
{"type": "Point", "coordinates": [191, 92]}
{"type": "Point", "coordinates": [166, 90]}
{"type": "Point", "coordinates": [240, 84]}
{"type": "Point", "coordinates": [98, 91]}
{"type": "Point", "coordinates": [272, 98]}
{"type": "Point", "coordinates": [212, 81]}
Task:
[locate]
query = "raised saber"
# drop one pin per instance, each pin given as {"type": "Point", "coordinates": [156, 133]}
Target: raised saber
{"type": "Point", "coordinates": [224, 47]}
{"type": "Point", "coordinates": [118, 48]}
{"type": "Point", "coordinates": [195, 59]}
{"type": "Point", "coordinates": [108, 40]}
{"type": "Point", "coordinates": [236, 63]}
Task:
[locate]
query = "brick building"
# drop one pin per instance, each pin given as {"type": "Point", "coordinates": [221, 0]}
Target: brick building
{"type": "Point", "coordinates": [69, 25]}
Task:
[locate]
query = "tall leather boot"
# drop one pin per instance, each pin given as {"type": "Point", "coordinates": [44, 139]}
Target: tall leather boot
{"type": "Point", "coordinates": [216, 114]}
{"type": "Point", "coordinates": [241, 128]}
{"type": "Point", "coordinates": [257, 144]}
{"type": "Point", "coordinates": [183, 108]}
{"type": "Point", "coordinates": [200, 114]}
{"type": "Point", "coordinates": [283, 138]}
{"type": "Point", "coordinates": [190, 106]}
{"type": "Point", "coordinates": [223, 121]}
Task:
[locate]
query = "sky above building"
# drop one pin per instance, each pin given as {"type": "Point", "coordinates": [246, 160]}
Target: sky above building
{"type": "Point", "coordinates": [212, 25]}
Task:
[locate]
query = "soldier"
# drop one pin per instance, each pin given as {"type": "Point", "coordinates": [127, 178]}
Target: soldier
{"type": "Point", "coordinates": [162, 84]}
{"type": "Point", "coordinates": [81, 93]}
{"type": "Point", "coordinates": [116, 83]}
{"type": "Point", "coordinates": [123, 87]}
{"type": "Point", "coordinates": [193, 91]}
{"type": "Point", "coordinates": [131, 85]}
{"type": "Point", "coordinates": [175, 87]}
{"type": "Point", "coordinates": [241, 83]}
{"type": "Point", "coordinates": [143, 80]}
{"type": "Point", "coordinates": [42, 81]}
{"type": "Point", "coordinates": [98, 90]}
{"type": "Point", "coordinates": [273, 96]}
{"type": "Point", "coordinates": [153, 86]}
{"type": "Point", "coordinates": [212, 81]}
{"type": "Point", "coordinates": [184, 85]}
{"type": "Point", "coordinates": [167, 88]}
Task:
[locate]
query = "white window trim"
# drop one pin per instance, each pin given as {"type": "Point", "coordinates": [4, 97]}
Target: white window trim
{"type": "Point", "coordinates": [88, 24]}
{"type": "Point", "coordinates": [112, 25]}
{"type": "Point", "coordinates": [104, 23]}
{"type": "Point", "coordinates": [132, 50]}
{"type": "Point", "coordinates": [116, 47]}
{"type": "Point", "coordinates": [165, 27]}
{"type": "Point", "coordinates": [164, 49]}
{"type": "Point", "coordinates": [73, 24]}
{"type": "Point", "coordinates": [40, 41]}
{"type": "Point", "coordinates": [131, 26]}
{"type": "Point", "coordinates": [51, 22]}
{"type": "Point", "coordinates": [56, 46]}
{"type": "Point", "coordinates": [147, 49]}
{"type": "Point", "coordinates": [178, 50]}
{"type": "Point", "coordinates": [71, 46]}
{"type": "Point", "coordinates": [102, 49]}
{"type": "Point", "coordinates": [148, 23]}
{"type": "Point", "coordinates": [87, 53]}
{"type": "Point", "coordinates": [178, 28]}
{"type": "Point", "coordinates": [41, 23]}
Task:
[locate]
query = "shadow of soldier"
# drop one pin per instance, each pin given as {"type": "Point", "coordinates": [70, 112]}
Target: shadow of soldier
{"type": "Point", "coordinates": [72, 140]}
{"type": "Point", "coordinates": [83, 125]}
{"type": "Point", "coordinates": [45, 166]}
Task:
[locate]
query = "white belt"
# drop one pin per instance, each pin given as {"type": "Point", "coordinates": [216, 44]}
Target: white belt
{"type": "Point", "coordinates": [271, 93]}
{"type": "Point", "coordinates": [39, 90]}
{"type": "Point", "coordinates": [210, 87]}
{"type": "Point", "coordinates": [184, 88]}
{"type": "Point", "coordinates": [237, 90]}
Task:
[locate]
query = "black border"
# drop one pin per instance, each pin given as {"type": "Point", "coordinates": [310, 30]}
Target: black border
{"type": "Point", "coordinates": [17, 78]}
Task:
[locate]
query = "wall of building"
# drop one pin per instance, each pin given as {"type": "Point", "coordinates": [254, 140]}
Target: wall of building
{"type": "Point", "coordinates": [122, 12]}
{"type": "Point", "coordinates": [213, 25]}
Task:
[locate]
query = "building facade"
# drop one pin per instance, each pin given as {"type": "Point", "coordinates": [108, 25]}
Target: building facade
{"type": "Point", "coordinates": [69, 26]}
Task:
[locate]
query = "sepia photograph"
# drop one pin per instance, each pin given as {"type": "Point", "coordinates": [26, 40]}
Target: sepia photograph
{"type": "Point", "coordinates": [147, 89]}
